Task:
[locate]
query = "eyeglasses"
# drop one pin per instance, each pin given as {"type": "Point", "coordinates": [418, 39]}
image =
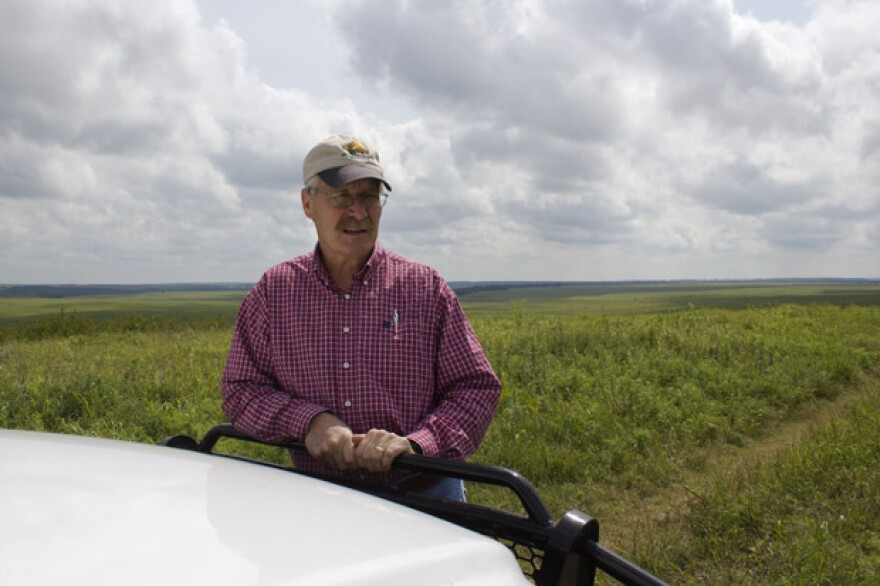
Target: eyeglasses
{"type": "Point", "coordinates": [343, 199]}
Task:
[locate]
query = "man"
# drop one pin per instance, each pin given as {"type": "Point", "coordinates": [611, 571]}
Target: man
{"type": "Point", "coordinates": [359, 352]}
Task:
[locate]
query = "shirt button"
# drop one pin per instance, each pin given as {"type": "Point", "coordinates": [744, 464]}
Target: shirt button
{"type": "Point", "coordinates": [347, 296]}
{"type": "Point", "coordinates": [345, 365]}
{"type": "Point", "coordinates": [365, 282]}
{"type": "Point", "coordinates": [346, 329]}
{"type": "Point", "coordinates": [348, 403]}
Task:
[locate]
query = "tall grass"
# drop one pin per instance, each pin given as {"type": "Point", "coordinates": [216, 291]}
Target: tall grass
{"type": "Point", "coordinates": [634, 400]}
{"type": "Point", "coordinates": [810, 516]}
{"type": "Point", "coordinates": [135, 385]}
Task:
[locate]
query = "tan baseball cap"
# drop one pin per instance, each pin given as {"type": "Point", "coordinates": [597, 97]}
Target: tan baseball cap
{"type": "Point", "coordinates": [340, 159]}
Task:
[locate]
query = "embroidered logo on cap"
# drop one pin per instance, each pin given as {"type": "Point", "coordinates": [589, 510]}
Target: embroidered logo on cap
{"type": "Point", "coordinates": [356, 147]}
{"type": "Point", "coordinates": [358, 151]}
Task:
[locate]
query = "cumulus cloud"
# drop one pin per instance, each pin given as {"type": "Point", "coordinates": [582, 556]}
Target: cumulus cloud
{"type": "Point", "coordinates": [614, 119]}
{"type": "Point", "coordinates": [141, 147]}
{"type": "Point", "coordinates": [553, 139]}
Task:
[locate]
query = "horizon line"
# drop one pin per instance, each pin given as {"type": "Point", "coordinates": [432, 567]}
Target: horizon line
{"type": "Point", "coordinates": [467, 281]}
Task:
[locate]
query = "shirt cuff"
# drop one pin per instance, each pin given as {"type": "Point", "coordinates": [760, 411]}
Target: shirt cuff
{"type": "Point", "coordinates": [426, 441]}
{"type": "Point", "coordinates": [304, 415]}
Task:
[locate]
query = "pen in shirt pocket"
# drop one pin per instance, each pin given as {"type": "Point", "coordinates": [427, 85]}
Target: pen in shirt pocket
{"type": "Point", "coordinates": [395, 319]}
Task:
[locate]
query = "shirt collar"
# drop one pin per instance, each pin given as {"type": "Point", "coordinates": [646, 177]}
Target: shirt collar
{"type": "Point", "coordinates": [377, 257]}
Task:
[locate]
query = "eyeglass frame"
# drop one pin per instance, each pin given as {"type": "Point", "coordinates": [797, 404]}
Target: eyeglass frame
{"type": "Point", "coordinates": [334, 196]}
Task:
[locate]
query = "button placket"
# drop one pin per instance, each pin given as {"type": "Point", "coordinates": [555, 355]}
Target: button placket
{"type": "Point", "coordinates": [348, 380]}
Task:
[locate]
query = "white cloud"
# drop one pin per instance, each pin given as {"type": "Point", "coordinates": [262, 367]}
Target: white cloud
{"type": "Point", "coordinates": [600, 109]}
{"type": "Point", "coordinates": [142, 148]}
{"type": "Point", "coordinates": [535, 139]}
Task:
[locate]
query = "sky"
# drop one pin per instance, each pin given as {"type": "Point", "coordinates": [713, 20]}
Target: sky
{"type": "Point", "coordinates": [561, 140]}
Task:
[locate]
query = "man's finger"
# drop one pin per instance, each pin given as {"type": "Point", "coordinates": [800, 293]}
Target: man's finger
{"type": "Point", "coordinates": [347, 455]}
{"type": "Point", "coordinates": [378, 452]}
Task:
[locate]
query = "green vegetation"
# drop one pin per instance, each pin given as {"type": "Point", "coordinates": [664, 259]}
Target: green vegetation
{"type": "Point", "coordinates": [809, 516]}
{"type": "Point", "coordinates": [181, 306]}
{"type": "Point", "coordinates": [634, 298]}
{"type": "Point", "coordinates": [610, 408]}
{"type": "Point", "coordinates": [592, 299]}
{"type": "Point", "coordinates": [636, 399]}
{"type": "Point", "coordinates": [132, 385]}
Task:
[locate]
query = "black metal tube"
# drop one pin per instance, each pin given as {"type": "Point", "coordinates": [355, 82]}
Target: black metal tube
{"type": "Point", "coordinates": [619, 568]}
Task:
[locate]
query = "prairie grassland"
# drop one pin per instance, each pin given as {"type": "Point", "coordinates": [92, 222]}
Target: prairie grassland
{"type": "Point", "coordinates": [634, 400]}
{"type": "Point", "coordinates": [634, 298]}
{"type": "Point", "coordinates": [593, 299]}
{"type": "Point", "coordinates": [182, 306]}
{"type": "Point", "coordinates": [807, 516]}
{"type": "Point", "coordinates": [596, 410]}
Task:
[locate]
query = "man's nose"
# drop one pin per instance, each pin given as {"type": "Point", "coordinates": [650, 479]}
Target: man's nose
{"type": "Point", "coordinates": [358, 209]}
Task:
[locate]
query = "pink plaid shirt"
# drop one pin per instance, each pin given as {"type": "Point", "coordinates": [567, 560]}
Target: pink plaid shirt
{"type": "Point", "coordinates": [393, 352]}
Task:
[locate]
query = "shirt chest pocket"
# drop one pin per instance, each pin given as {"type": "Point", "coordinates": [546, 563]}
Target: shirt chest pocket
{"type": "Point", "coordinates": [403, 349]}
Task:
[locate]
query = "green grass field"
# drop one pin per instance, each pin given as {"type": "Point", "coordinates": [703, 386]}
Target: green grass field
{"type": "Point", "coordinates": [725, 444]}
{"type": "Point", "coordinates": [610, 299]}
{"type": "Point", "coordinates": [616, 299]}
{"type": "Point", "coordinates": [185, 306]}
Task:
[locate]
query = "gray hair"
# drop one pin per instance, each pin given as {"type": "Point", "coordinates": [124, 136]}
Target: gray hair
{"type": "Point", "coordinates": [311, 184]}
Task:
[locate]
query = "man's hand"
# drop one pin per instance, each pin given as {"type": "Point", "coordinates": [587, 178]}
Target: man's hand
{"type": "Point", "coordinates": [377, 449]}
{"type": "Point", "coordinates": [330, 441]}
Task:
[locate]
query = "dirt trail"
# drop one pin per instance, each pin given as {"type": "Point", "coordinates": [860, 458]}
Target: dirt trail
{"type": "Point", "coordinates": [626, 518]}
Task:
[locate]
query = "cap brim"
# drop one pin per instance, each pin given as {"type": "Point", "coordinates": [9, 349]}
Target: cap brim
{"type": "Point", "coordinates": [341, 176]}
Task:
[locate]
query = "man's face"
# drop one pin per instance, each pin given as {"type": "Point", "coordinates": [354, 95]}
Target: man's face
{"type": "Point", "coordinates": [347, 233]}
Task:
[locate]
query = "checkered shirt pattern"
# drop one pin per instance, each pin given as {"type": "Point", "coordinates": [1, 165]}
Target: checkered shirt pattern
{"type": "Point", "coordinates": [393, 352]}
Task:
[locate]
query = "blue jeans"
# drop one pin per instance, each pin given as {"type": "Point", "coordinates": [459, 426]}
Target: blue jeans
{"type": "Point", "coordinates": [448, 488]}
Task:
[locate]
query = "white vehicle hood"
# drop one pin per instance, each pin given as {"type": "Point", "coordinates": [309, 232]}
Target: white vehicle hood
{"type": "Point", "coordinates": [77, 510]}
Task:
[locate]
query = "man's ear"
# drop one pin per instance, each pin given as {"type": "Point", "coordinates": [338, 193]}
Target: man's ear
{"type": "Point", "coordinates": [307, 203]}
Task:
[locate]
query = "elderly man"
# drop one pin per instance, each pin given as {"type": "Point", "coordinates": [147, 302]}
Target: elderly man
{"type": "Point", "coordinates": [363, 354]}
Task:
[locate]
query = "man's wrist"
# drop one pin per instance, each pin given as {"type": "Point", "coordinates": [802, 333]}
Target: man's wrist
{"type": "Point", "coordinates": [315, 420]}
{"type": "Point", "coordinates": [322, 422]}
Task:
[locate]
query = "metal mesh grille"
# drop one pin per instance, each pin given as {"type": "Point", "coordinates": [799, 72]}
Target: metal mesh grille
{"type": "Point", "coordinates": [529, 558]}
